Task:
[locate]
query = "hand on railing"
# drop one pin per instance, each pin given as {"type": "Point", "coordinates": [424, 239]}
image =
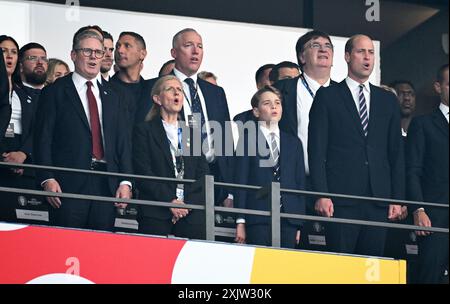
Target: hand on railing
{"type": "Point", "coordinates": [240, 234]}
{"type": "Point", "coordinates": [53, 186]}
{"type": "Point", "coordinates": [124, 191]}
{"type": "Point", "coordinates": [15, 157]}
{"type": "Point", "coordinates": [178, 213]}
{"type": "Point", "coordinates": [324, 207]}
{"type": "Point", "coordinates": [422, 219]}
{"type": "Point", "coordinates": [395, 212]}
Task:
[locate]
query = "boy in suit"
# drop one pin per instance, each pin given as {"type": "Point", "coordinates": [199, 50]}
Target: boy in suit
{"type": "Point", "coordinates": [283, 162]}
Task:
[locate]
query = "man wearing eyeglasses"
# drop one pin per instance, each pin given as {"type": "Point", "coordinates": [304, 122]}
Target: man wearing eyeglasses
{"type": "Point", "coordinates": [79, 125]}
{"type": "Point", "coordinates": [33, 65]}
{"type": "Point", "coordinates": [315, 57]}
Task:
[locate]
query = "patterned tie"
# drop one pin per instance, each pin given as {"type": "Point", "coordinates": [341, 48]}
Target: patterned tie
{"type": "Point", "coordinates": [196, 105]}
{"type": "Point", "coordinates": [363, 110]}
{"type": "Point", "coordinates": [275, 157]}
{"type": "Point", "coordinates": [97, 144]}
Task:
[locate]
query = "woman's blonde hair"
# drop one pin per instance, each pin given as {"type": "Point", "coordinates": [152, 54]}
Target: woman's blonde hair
{"type": "Point", "coordinates": [155, 111]}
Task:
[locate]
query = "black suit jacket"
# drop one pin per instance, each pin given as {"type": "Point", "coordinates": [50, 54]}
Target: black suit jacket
{"type": "Point", "coordinates": [342, 159]}
{"type": "Point", "coordinates": [245, 116]}
{"type": "Point", "coordinates": [146, 102]}
{"type": "Point", "coordinates": [63, 137]}
{"type": "Point", "coordinates": [248, 171]}
{"type": "Point", "coordinates": [427, 162]}
{"type": "Point", "coordinates": [152, 157]}
{"type": "Point", "coordinates": [288, 89]}
{"type": "Point", "coordinates": [5, 108]}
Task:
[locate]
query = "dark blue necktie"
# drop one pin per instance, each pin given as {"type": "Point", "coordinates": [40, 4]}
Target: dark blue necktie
{"type": "Point", "coordinates": [196, 105]}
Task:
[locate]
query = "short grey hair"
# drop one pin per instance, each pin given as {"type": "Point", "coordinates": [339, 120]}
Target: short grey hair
{"type": "Point", "coordinates": [178, 35]}
{"type": "Point", "coordinates": [85, 35]}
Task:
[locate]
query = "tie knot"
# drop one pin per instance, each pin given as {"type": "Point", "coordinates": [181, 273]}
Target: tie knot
{"type": "Point", "coordinates": [189, 81]}
{"type": "Point", "coordinates": [89, 84]}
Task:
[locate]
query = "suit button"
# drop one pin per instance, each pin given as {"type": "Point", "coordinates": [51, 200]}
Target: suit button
{"type": "Point", "coordinates": [366, 163]}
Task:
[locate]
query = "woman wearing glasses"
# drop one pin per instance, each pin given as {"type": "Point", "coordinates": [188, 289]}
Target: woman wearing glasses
{"type": "Point", "coordinates": [16, 144]}
{"type": "Point", "coordinates": [162, 147]}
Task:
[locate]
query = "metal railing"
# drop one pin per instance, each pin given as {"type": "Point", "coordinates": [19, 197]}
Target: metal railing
{"type": "Point", "coordinates": [272, 192]}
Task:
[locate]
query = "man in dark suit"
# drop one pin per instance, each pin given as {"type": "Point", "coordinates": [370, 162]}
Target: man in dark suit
{"type": "Point", "coordinates": [79, 125]}
{"type": "Point", "coordinates": [427, 180]}
{"type": "Point", "coordinates": [204, 103]}
{"type": "Point", "coordinates": [355, 148]}
{"type": "Point", "coordinates": [5, 108]}
{"type": "Point", "coordinates": [283, 164]}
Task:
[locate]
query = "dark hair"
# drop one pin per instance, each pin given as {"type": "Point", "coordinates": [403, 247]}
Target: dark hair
{"type": "Point", "coordinates": [274, 74]}
{"type": "Point", "coordinates": [29, 46]}
{"type": "Point", "coordinates": [136, 36]}
{"type": "Point", "coordinates": [267, 88]}
{"type": "Point", "coordinates": [260, 71]}
{"type": "Point", "coordinates": [86, 28]}
{"type": "Point", "coordinates": [107, 35]}
{"type": "Point", "coordinates": [395, 83]}
{"type": "Point", "coordinates": [171, 61]}
{"type": "Point", "coordinates": [16, 74]}
{"type": "Point", "coordinates": [301, 42]}
{"type": "Point", "coordinates": [440, 73]}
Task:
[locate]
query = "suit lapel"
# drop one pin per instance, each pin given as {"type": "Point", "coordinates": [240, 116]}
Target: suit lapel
{"type": "Point", "coordinates": [161, 139]}
{"type": "Point", "coordinates": [351, 107]}
{"type": "Point", "coordinates": [440, 121]}
{"type": "Point", "coordinates": [72, 95]}
{"type": "Point", "coordinates": [107, 114]}
{"type": "Point", "coordinates": [26, 104]}
{"type": "Point", "coordinates": [375, 113]}
{"type": "Point", "coordinates": [291, 104]}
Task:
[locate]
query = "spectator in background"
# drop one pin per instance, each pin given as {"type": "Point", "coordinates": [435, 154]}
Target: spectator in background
{"type": "Point", "coordinates": [56, 69]}
{"type": "Point", "coordinates": [355, 148]}
{"type": "Point", "coordinates": [108, 60]}
{"type": "Point", "coordinates": [406, 94]}
{"type": "Point", "coordinates": [427, 181]}
{"type": "Point", "coordinates": [208, 76]}
{"type": "Point", "coordinates": [167, 68]}
{"type": "Point", "coordinates": [5, 108]}
{"type": "Point", "coordinates": [33, 64]}
{"type": "Point", "coordinates": [284, 70]}
{"type": "Point", "coordinates": [262, 80]}
{"type": "Point", "coordinates": [158, 148]}
{"type": "Point", "coordinates": [16, 144]}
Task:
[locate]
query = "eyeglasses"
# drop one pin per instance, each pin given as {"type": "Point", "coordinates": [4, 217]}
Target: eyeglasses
{"type": "Point", "coordinates": [88, 52]}
{"type": "Point", "coordinates": [173, 90]}
{"type": "Point", "coordinates": [36, 58]}
{"type": "Point", "coordinates": [317, 46]}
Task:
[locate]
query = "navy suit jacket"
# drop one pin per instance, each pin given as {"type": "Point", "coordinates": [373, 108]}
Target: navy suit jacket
{"type": "Point", "coordinates": [288, 89]}
{"type": "Point", "coordinates": [248, 171]}
{"type": "Point", "coordinates": [342, 159]}
{"type": "Point", "coordinates": [63, 137]}
{"type": "Point", "coordinates": [427, 163]}
{"type": "Point", "coordinates": [5, 108]}
{"type": "Point", "coordinates": [245, 116]}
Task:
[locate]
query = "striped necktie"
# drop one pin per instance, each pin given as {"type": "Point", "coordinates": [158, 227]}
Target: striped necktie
{"type": "Point", "coordinates": [363, 110]}
{"type": "Point", "coordinates": [275, 157]}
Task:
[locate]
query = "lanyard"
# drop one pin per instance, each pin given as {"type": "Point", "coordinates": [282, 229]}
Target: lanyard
{"type": "Point", "coordinates": [305, 83]}
{"type": "Point", "coordinates": [178, 153]}
{"type": "Point", "coordinates": [195, 96]}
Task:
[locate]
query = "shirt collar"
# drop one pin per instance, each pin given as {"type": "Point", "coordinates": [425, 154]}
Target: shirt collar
{"type": "Point", "coordinates": [29, 85]}
{"type": "Point", "coordinates": [267, 131]}
{"type": "Point", "coordinates": [444, 109]}
{"type": "Point", "coordinates": [354, 85]}
{"type": "Point", "coordinates": [314, 85]}
{"type": "Point", "coordinates": [183, 77]}
{"type": "Point", "coordinates": [80, 81]}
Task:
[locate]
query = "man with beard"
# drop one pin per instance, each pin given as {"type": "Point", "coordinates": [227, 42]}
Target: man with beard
{"type": "Point", "coordinates": [33, 65]}
{"type": "Point", "coordinates": [107, 61]}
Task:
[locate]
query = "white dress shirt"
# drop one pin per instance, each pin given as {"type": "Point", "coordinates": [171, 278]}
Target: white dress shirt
{"type": "Point", "coordinates": [444, 110]}
{"type": "Point", "coordinates": [16, 112]}
{"type": "Point", "coordinates": [172, 135]}
{"type": "Point", "coordinates": [304, 103]}
{"type": "Point", "coordinates": [187, 107]}
{"type": "Point", "coordinates": [354, 89]}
